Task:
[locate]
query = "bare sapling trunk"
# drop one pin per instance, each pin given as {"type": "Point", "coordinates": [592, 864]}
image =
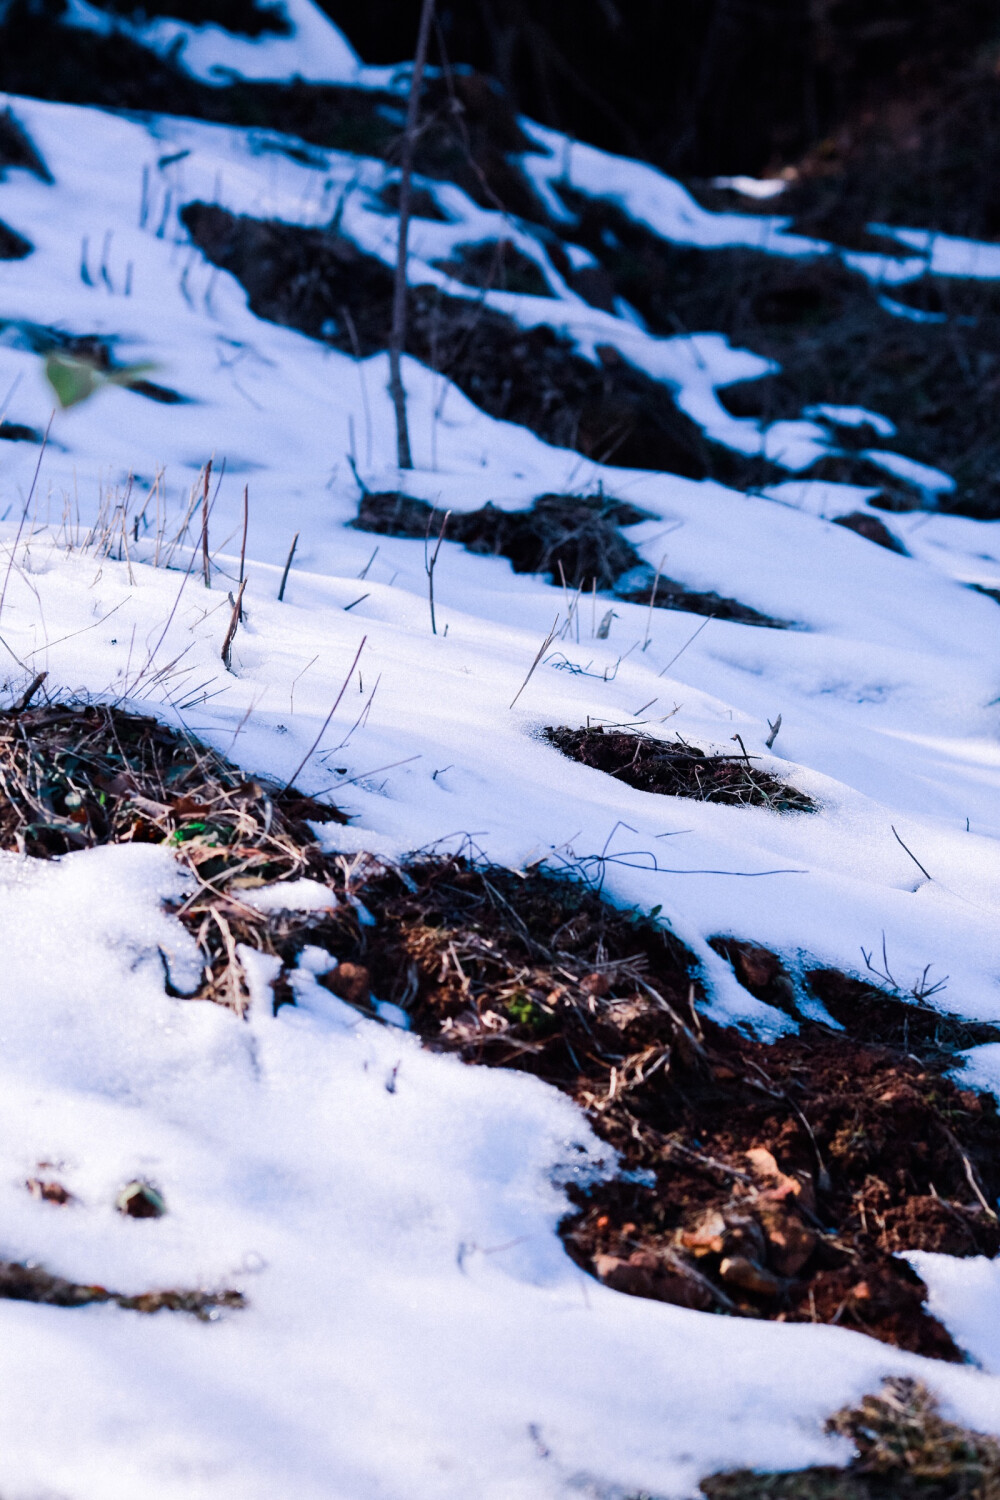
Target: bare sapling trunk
{"type": "Point", "coordinates": [397, 337]}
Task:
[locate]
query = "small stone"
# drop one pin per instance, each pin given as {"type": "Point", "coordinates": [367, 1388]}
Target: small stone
{"type": "Point", "coordinates": [644, 1274]}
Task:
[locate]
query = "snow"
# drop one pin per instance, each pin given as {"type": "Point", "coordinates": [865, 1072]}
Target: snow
{"type": "Point", "coordinates": [948, 254]}
{"type": "Point", "coordinates": [932, 481]}
{"type": "Point", "coordinates": [414, 1326]}
{"type": "Point", "coordinates": [290, 895]}
{"type": "Point", "coordinates": [853, 416]}
{"type": "Point", "coordinates": [753, 187]}
{"type": "Point", "coordinates": [313, 50]}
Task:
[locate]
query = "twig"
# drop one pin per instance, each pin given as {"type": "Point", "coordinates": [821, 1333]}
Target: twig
{"type": "Point", "coordinates": [288, 564]}
{"type": "Point", "coordinates": [206, 566]}
{"type": "Point", "coordinates": [309, 753]}
{"type": "Point", "coordinates": [686, 644]}
{"type": "Point", "coordinates": [397, 337]}
{"type": "Point", "coordinates": [769, 742]}
{"type": "Point", "coordinates": [538, 656]}
{"type": "Point", "coordinates": [430, 563]}
{"type": "Point", "coordinates": [652, 601]}
{"type": "Point", "coordinates": [910, 852]}
{"type": "Point", "coordinates": [237, 615]}
{"type": "Point", "coordinates": [243, 544]}
{"type": "Point", "coordinates": [27, 506]}
{"type": "Point", "coordinates": [26, 697]}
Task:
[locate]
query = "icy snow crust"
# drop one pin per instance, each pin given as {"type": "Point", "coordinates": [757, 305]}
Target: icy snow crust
{"type": "Point", "coordinates": [415, 1328]}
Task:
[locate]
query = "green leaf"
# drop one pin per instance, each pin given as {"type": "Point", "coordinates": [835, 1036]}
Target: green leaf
{"type": "Point", "coordinates": [71, 379]}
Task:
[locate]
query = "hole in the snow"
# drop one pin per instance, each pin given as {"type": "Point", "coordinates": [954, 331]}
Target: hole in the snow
{"type": "Point", "coordinates": [675, 769]}
{"type": "Point", "coordinates": [17, 432]}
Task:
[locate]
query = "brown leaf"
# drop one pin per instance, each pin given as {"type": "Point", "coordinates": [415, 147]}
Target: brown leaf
{"type": "Point", "coordinates": [352, 982]}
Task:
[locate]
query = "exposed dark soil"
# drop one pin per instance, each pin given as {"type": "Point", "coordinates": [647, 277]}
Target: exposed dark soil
{"type": "Point", "coordinates": [676, 769]}
{"type": "Point", "coordinates": [13, 246]}
{"type": "Point", "coordinates": [31, 1283]}
{"type": "Point", "coordinates": [575, 539]}
{"type": "Point", "coordinates": [17, 432]}
{"type": "Point", "coordinates": [873, 530]}
{"type": "Point", "coordinates": [496, 265]}
{"type": "Point", "coordinates": [321, 283]}
{"type": "Point", "coordinates": [771, 1181]}
{"type": "Point", "coordinates": [18, 150]}
{"type": "Point", "coordinates": [244, 17]}
{"type": "Point", "coordinates": [904, 1450]}
{"type": "Point", "coordinates": [836, 345]}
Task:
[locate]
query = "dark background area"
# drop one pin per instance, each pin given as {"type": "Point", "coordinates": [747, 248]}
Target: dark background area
{"type": "Point", "coordinates": [697, 86]}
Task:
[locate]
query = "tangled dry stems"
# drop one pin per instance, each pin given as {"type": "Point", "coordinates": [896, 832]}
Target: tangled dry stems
{"type": "Point", "coordinates": [677, 769]}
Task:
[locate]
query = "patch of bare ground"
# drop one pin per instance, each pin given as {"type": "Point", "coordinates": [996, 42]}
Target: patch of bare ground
{"type": "Point", "coordinates": [761, 1180]}
{"type": "Point", "coordinates": [575, 539]}
{"type": "Point", "coordinates": [31, 1283]}
{"type": "Point", "coordinates": [499, 265]}
{"type": "Point", "coordinates": [320, 282]}
{"type": "Point", "coordinates": [836, 340]}
{"type": "Point", "coordinates": [674, 768]}
{"type": "Point", "coordinates": [904, 1450]}
{"type": "Point", "coordinates": [873, 530]}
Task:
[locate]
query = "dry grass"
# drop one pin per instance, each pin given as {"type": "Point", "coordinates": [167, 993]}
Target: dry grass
{"type": "Point", "coordinates": [72, 777]}
{"type": "Point", "coordinates": [676, 769]}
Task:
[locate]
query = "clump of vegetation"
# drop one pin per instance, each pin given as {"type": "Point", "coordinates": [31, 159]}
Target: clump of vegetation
{"type": "Point", "coordinates": [74, 776]}
{"type": "Point", "coordinates": [674, 768]}
{"type": "Point", "coordinates": [904, 1450]}
{"type": "Point", "coordinates": [575, 539]}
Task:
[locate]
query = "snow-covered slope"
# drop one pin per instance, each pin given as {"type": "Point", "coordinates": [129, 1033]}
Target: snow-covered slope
{"type": "Point", "coordinates": [416, 1329]}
